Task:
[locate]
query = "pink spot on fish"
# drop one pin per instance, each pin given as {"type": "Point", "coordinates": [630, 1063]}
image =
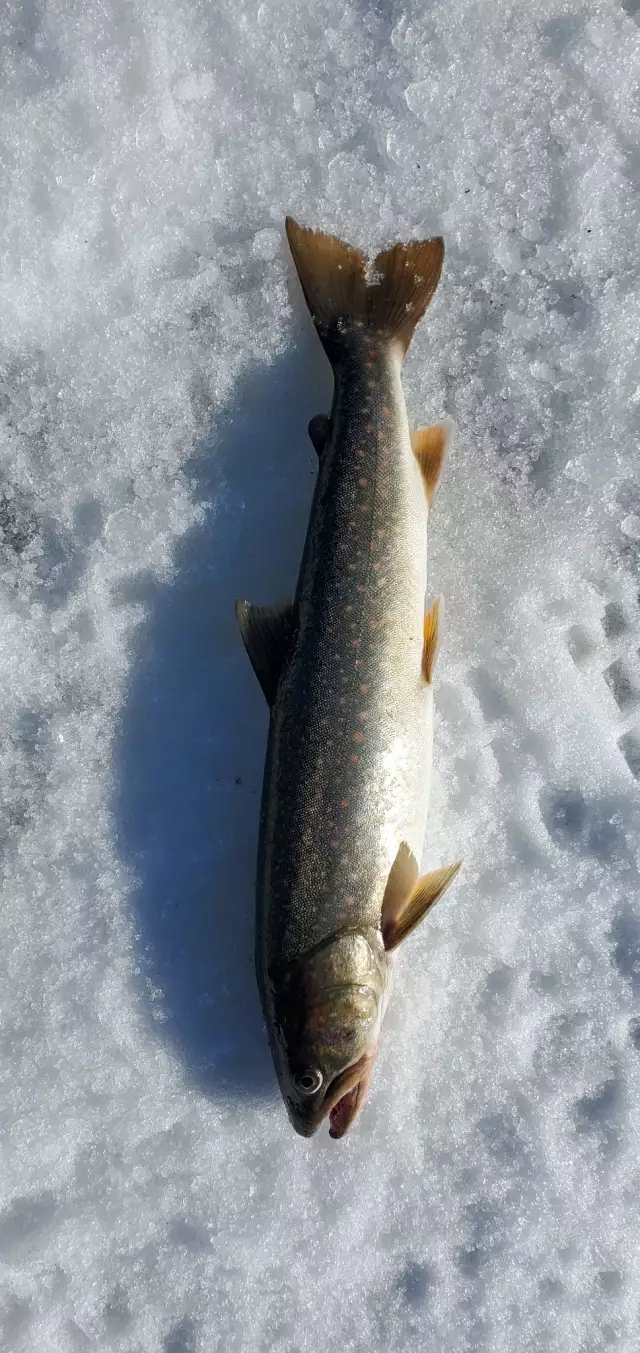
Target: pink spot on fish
{"type": "Point", "coordinates": [350, 901]}
{"type": "Point", "coordinates": [355, 643]}
{"type": "Point", "coordinates": [354, 756]}
{"type": "Point", "coordinates": [344, 803]}
{"type": "Point", "coordinates": [357, 737]}
{"type": "Point", "coordinates": [362, 483]}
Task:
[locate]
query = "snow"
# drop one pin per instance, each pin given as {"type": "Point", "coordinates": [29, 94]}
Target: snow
{"type": "Point", "coordinates": [157, 371]}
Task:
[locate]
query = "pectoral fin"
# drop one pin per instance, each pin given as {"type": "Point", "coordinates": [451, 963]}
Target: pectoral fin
{"type": "Point", "coordinates": [401, 914]}
{"type": "Point", "coordinates": [430, 446]}
{"type": "Point", "coordinates": [267, 632]}
{"type": "Point", "coordinates": [319, 430]}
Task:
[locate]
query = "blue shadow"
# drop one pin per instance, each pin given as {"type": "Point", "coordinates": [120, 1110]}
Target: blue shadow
{"type": "Point", "coordinates": [190, 749]}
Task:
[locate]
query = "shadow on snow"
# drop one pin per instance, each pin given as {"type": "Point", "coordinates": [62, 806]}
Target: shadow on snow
{"type": "Point", "coordinates": [191, 745]}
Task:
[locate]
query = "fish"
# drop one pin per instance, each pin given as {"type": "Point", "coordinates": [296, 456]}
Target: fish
{"type": "Point", "coordinates": [347, 666]}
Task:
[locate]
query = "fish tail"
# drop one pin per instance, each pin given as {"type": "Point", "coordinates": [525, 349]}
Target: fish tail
{"type": "Point", "coordinates": [344, 293]}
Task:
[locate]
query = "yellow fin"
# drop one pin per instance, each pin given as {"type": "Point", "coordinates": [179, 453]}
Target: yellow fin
{"type": "Point", "coordinates": [432, 632]}
{"type": "Point", "coordinates": [430, 446]}
{"type": "Point", "coordinates": [267, 633]}
{"type": "Point", "coordinates": [341, 296]}
{"type": "Point", "coordinates": [427, 890]}
{"type": "Point", "coordinates": [400, 883]}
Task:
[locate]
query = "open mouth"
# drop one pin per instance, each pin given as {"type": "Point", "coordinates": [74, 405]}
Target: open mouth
{"type": "Point", "coordinates": [349, 1096]}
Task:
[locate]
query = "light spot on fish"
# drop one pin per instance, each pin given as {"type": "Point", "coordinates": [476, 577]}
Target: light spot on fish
{"type": "Point", "coordinates": [363, 483]}
{"type": "Point", "coordinates": [334, 844]}
{"type": "Point", "coordinates": [354, 756]}
{"type": "Point", "coordinates": [373, 352]}
{"type": "Point", "coordinates": [357, 737]}
{"type": "Point", "coordinates": [380, 582]}
{"type": "Point", "coordinates": [368, 427]}
{"type": "Point", "coordinates": [350, 901]}
{"type": "Point", "coordinates": [363, 689]}
{"type": "Point", "coordinates": [362, 714]}
{"type": "Point", "coordinates": [386, 410]}
{"type": "Point", "coordinates": [344, 859]}
{"type": "Point", "coordinates": [344, 803]}
{"type": "Point", "coordinates": [355, 643]}
{"type": "Point", "coordinates": [349, 607]}
{"type": "Point", "coordinates": [371, 384]}
{"type": "Point", "coordinates": [364, 507]}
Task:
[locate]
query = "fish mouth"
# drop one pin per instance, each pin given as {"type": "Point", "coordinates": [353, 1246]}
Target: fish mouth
{"type": "Point", "coordinates": [342, 1103]}
{"type": "Point", "coordinates": [345, 1110]}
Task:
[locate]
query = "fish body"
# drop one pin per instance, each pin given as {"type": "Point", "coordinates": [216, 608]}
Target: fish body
{"type": "Point", "coordinates": [347, 667]}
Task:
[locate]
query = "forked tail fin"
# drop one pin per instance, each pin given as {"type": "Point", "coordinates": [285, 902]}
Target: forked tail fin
{"type": "Point", "coordinates": [342, 295]}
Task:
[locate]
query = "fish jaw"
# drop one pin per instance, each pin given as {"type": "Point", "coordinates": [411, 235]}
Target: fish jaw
{"type": "Point", "coordinates": [346, 1110]}
{"type": "Point", "coordinates": [340, 1105]}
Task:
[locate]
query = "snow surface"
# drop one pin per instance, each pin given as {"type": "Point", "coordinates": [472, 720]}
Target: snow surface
{"type": "Point", "coordinates": [157, 370]}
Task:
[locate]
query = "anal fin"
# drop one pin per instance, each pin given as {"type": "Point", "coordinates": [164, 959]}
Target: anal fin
{"type": "Point", "coordinates": [430, 446]}
{"type": "Point", "coordinates": [267, 633]}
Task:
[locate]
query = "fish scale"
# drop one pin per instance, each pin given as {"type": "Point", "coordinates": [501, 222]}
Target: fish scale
{"type": "Point", "coordinates": [347, 669]}
{"type": "Point", "coordinates": [333, 782]}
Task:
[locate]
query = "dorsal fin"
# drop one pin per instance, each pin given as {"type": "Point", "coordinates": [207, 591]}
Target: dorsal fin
{"type": "Point", "coordinates": [267, 632]}
{"type": "Point", "coordinates": [319, 431]}
{"type": "Point", "coordinates": [432, 633]}
{"type": "Point", "coordinates": [430, 446]}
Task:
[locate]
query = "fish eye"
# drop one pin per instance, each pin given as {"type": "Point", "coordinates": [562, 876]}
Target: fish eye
{"type": "Point", "coordinates": [309, 1081]}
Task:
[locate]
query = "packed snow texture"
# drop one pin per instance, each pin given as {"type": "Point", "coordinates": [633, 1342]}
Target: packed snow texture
{"type": "Point", "coordinates": [157, 372]}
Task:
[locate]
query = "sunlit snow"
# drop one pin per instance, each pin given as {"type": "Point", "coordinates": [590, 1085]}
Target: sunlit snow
{"type": "Point", "coordinates": [157, 373]}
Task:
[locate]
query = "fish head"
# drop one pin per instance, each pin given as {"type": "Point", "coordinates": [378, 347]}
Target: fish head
{"type": "Point", "coordinates": [329, 1006]}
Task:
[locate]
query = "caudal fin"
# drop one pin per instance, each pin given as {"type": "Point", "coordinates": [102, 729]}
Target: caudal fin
{"type": "Point", "coordinates": [341, 294]}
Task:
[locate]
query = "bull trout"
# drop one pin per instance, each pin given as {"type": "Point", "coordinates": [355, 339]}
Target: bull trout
{"type": "Point", "coordinates": [347, 669]}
